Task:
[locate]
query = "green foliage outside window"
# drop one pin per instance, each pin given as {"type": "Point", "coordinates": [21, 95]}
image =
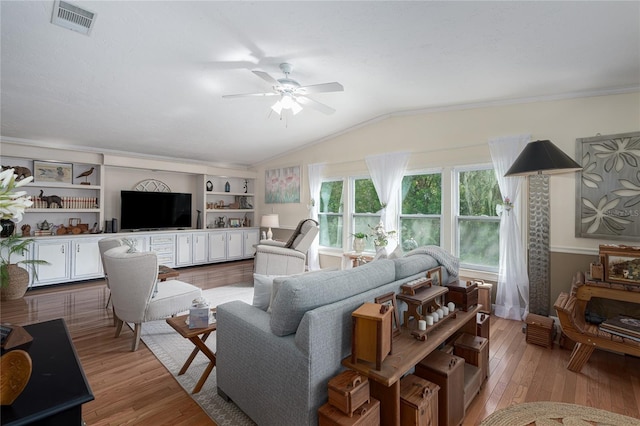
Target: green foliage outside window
{"type": "Point", "coordinates": [366, 197]}
{"type": "Point", "coordinates": [421, 210]}
{"type": "Point", "coordinates": [479, 231]}
{"type": "Point", "coordinates": [330, 214]}
{"type": "Point", "coordinates": [479, 193]}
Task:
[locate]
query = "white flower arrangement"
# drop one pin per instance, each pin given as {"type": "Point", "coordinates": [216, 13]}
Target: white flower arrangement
{"type": "Point", "coordinates": [380, 236]}
{"type": "Point", "coordinates": [12, 202]}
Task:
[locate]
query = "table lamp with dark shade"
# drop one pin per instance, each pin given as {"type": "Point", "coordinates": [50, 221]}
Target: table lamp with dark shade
{"type": "Point", "coordinates": [538, 160]}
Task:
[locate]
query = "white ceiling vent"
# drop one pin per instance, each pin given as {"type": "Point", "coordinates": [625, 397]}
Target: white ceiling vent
{"type": "Point", "coordinates": [72, 17]}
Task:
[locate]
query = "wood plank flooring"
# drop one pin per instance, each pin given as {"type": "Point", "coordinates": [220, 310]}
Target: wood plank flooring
{"type": "Point", "coordinates": [134, 388]}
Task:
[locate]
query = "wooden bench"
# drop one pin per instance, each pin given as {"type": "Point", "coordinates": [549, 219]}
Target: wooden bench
{"type": "Point", "coordinates": [588, 337]}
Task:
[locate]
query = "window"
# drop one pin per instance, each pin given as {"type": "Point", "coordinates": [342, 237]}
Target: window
{"type": "Point", "coordinates": [421, 210]}
{"type": "Point", "coordinates": [366, 206]}
{"type": "Point", "coordinates": [330, 214]}
{"type": "Point", "coordinates": [478, 225]}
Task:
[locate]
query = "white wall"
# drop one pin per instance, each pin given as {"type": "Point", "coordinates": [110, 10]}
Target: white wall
{"type": "Point", "coordinates": [459, 137]}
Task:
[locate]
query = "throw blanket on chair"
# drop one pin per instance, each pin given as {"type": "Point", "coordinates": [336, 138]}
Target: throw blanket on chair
{"type": "Point", "coordinates": [444, 258]}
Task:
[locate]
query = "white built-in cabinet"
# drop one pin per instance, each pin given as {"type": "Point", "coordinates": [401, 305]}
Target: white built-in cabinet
{"type": "Point", "coordinates": [251, 239]}
{"type": "Point", "coordinates": [86, 263]}
{"type": "Point", "coordinates": [217, 246]}
{"type": "Point", "coordinates": [57, 252]}
{"type": "Point", "coordinates": [235, 245]}
{"type": "Point", "coordinates": [191, 249]}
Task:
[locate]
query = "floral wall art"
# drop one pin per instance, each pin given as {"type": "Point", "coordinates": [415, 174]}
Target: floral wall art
{"type": "Point", "coordinates": [282, 185]}
{"type": "Point", "coordinates": [608, 188]}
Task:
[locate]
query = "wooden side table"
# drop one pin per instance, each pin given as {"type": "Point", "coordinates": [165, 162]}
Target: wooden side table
{"type": "Point", "coordinates": [198, 337]}
{"type": "Point", "coordinates": [357, 259]}
{"type": "Point", "coordinates": [164, 273]}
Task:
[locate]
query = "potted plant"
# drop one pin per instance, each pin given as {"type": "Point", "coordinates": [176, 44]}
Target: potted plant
{"type": "Point", "coordinates": [14, 279]}
{"type": "Point", "coordinates": [358, 241]}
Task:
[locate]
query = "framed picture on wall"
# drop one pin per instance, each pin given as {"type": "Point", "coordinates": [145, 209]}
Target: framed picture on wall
{"type": "Point", "coordinates": [282, 185]}
{"type": "Point", "coordinates": [45, 171]}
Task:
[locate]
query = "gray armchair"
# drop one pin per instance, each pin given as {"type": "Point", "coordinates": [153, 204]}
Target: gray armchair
{"type": "Point", "coordinates": [280, 258]}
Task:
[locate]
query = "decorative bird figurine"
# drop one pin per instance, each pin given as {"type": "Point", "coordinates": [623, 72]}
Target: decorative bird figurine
{"type": "Point", "coordinates": [85, 175]}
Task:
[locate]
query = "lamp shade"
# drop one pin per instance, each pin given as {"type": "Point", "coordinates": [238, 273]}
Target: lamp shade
{"type": "Point", "coordinates": [270, 221]}
{"type": "Point", "coordinates": [542, 157]}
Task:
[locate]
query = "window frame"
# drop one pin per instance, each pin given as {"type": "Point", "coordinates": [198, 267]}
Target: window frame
{"type": "Point", "coordinates": [340, 214]}
{"type": "Point", "coordinates": [420, 172]}
{"type": "Point", "coordinates": [457, 217]}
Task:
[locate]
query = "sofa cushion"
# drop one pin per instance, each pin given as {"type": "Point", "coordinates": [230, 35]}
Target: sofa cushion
{"type": "Point", "coordinates": [407, 266]}
{"type": "Point", "coordinates": [297, 295]}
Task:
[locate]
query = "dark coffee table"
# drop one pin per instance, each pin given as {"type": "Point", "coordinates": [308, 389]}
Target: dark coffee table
{"type": "Point", "coordinates": [57, 387]}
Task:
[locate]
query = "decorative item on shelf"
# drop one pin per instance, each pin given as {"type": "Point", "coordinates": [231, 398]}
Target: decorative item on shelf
{"type": "Point", "coordinates": [52, 172]}
{"type": "Point", "coordinates": [246, 186]}
{"type": "Point", "coordinates": [246, 222]}
{"type": "Point", "coordinates": [359, 241]}
{"type": "Point", "coordinates": [234, 223]}
{"type": "Point", "coordinates": [221, 222]}
{"type": "Point", "coordinates": [227, 187]}
{"type": "Point", "coordinates": [209, 186]}
{"type": "Point", "coordinates": [243, 202]}
{"type": "Point", "coordinates": [8, 228]}
{"type": "Point", "coordinates": [389, 299]}
{"type": "Point", "coordinates": [19, 171]}
{"type": "Point", "coordinates": [621, 263]}
{"type": "Point", "coordinates": [234, 206]}
{"type": "Point", "coordinates": [51, 199]}
{"type": "Point", "coordinates": [26, 230]}
{"type": "Point", "coordinates": [596, 271]}
{"type": "Point", "coordinates": [85, 175]}
{"type": "Point", "coordinates": [270, 221]}
{"type": "Point", "coordinates": [199, 220]}
{"type": "Point", "coordinates": [435, 275]}
{"type": "Point", "coordinates": [14, 279]}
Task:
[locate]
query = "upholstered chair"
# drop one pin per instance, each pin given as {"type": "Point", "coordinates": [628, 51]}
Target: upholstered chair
{"type": "Point", "coordinates": [104, 245]}
{"type": "Point", "coordinates": [132, 277]}
{"type": "Point", "coordinates": [286, 258]}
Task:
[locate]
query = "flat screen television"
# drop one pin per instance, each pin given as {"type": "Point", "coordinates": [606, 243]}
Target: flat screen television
{"type": "Point", "coordinates": [154, 210]}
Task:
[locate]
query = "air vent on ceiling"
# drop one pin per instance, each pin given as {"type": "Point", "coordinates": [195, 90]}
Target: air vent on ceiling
{"type": "Point", "coordinates": [72, 17]}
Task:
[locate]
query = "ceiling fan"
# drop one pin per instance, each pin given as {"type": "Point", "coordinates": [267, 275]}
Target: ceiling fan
{"type": "Point", "coordinates": [292, 95]}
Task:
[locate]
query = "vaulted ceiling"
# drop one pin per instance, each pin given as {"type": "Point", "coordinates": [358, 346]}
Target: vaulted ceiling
{"type": "Point", "coordinates": [150, 76]}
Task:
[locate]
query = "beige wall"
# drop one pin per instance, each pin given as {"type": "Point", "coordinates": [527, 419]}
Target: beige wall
{"type": "Point", "coordinates": [459, 137]}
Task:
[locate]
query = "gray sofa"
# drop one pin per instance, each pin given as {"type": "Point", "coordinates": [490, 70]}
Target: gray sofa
{"type": "Point", "coordinates": [276, 365]}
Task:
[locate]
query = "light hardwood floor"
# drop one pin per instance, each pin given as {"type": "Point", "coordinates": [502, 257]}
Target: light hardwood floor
{"type": "Point", "coordinates": [134, 388]}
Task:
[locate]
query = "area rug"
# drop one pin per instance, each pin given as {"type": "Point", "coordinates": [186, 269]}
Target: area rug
{"type": "Point", "coordinates": [556, 413]}
{"type": "Point", "coordinates": [172, 350]}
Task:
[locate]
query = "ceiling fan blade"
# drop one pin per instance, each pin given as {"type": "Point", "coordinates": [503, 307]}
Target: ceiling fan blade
{"type": "Point", "coordinates": [315, 104]}
{"type": "Point", "coordinates": [250, 95]}
{"type": "Point", "coordinates": [320, 88]}
{"type": "Point", "coordinates": [266, 77]}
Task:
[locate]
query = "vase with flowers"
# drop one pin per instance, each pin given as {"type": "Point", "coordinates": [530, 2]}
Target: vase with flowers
{"type": "Point", "coordinates": [380, 236]}
{"type": "Point", "coordinates": [14, 279]}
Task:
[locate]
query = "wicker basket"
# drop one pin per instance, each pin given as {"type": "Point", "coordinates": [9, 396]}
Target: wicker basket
{"type": "Point", "coordinates": [18, 283]}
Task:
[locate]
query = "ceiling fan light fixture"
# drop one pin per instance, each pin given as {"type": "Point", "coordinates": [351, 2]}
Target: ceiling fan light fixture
{"type": "Point", "coordinates": [287, 101]}
{"type": "Point", "coordinates": [296, 107]}
{"type": "Point", "coordinates": [277, 107]}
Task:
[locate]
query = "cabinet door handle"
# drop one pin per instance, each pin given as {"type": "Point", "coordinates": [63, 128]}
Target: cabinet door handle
{"type": "Point", "coordinates": [78, 249]}
{"type": "Point", "coordinates": [62, 249]}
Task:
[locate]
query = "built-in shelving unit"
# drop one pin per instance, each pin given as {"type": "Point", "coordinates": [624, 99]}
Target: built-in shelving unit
{"type": "Point", "coordinates": [82, 198]}
{"type": "Point", "coordinates": [228, 200]}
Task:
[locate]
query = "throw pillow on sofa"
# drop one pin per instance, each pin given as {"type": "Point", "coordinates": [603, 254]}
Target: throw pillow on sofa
{"type": "Point", "coordinates": [262, 287]}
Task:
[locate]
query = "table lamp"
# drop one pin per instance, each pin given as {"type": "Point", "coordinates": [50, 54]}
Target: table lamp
{"type": "Point", "coordinates": [270, 221]}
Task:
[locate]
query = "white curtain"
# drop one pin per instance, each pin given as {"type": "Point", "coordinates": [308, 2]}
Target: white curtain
{"type": "Point", "coordinates": [512, 294]}
{"type": "Point", "coordinates": [386, 172]}
{"type": "Point", "coordinates": [315, 182]}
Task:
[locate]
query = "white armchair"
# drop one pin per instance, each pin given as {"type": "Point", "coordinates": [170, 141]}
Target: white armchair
{"type": "Point", "coordinates": [104, 245]}
{"type": "Point", "coordinates": [132, 277]}
{"type": "Point", "coordinates": [280, 258]}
